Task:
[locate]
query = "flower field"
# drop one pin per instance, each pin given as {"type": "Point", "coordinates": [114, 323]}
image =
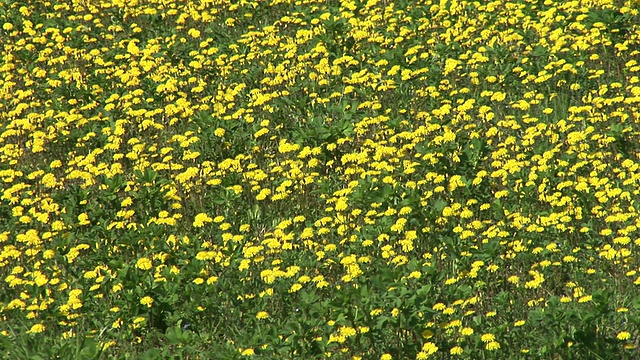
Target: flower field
{"type": "Point", "coordinates": [311, 179]}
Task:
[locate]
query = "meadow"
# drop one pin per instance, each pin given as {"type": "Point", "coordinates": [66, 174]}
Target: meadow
{"type": "Point", "coordinates": [313, 179]}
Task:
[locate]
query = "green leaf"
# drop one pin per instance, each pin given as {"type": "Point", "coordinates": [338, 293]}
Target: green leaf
{"type": "Point", "coordinates": [151, 354]}
{"type": "Point", "coordinates": [536, 315]}
{"type": "Point", "coordinates": [89, 349]}
{"type": "Point", "coordinates": [439, 205]}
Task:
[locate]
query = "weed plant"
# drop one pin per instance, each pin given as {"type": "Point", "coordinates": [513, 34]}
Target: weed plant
{"type": "Point", "coordinates": [311, 179]}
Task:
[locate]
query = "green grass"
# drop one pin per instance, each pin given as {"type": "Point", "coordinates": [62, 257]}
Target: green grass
{"type": "Point", "coordinates": [319, 179]}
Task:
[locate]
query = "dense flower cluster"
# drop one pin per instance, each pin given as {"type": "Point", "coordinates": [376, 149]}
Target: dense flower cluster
{"type": "Point", "coordinates": [308, 179]}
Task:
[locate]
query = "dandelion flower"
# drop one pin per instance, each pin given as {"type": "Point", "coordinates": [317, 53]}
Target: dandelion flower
{"type": "Point", "coordinates": [262, 315]}
{"type": "Point", "coordinates": [429, 348]}
{"type": "Point", "coordinates": [487, 338]}
{"type": "Point", "coordinates": [147, 300]}
{"type": "Point", "coordinates": [36, 329]}
{"type": "Point", "coordinates": [201, 219]}
{"type": "Point", "coordinates": [624, 335]}
{"type": "Point", "coordinates": [248, 352]}
{"type": "Point", "coordinates": [144, 263]}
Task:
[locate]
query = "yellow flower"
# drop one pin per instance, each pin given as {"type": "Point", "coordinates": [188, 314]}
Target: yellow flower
{"type": "Point", "coordinates": [493, 345]}
{"type": "Point", "coordinates": [262, 315]}
{"type": "Point", "coordinates": [105, 345]}
{"type": "Point", "coordinates": [585, 298]}
{"type": "Point", "coordinates": [83, 219]}
{"type": "Point", "coordinates": [487, 338]}
{"type": "Point", "coordinates": [450, 65]}
{"type": "Point", "coordinates": [147, 300]}
{"type": "Point", "coordinates": [624, 335]}
{"type": "Point", "coordinates": [429, 348]}
{"type": "Point", "coordinates": [144, 264]}
{"type": "Point", "coordinates": [218, 219]}
{"type": "Point", "coordinates": [456, 350]}
{"type": "Point", "coordinates": [194, 33]}
{"type": "Point", "coordinates": [439, 307]}
{"type": "Point", "coordinates": [248, 352]}
{"type": "Point", "coordinates": [201, 219]}
{"type": "Point", "coordinates": [36, 329]}
{"type": "Point", "coordinates": [467, 331]}
{"type": "Point", "coordinates": [449, 311]}
{"type": "Point", "coordinates": [347, 331]}
{"type": "Point", "coordinates": [386, 357]}
{"type": "Point", "coordinates": [126, 202]}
